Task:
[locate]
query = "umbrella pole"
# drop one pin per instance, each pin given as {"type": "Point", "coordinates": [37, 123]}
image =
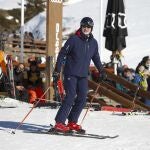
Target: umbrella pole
{"type": "Point", "coordinates": [115, 61]}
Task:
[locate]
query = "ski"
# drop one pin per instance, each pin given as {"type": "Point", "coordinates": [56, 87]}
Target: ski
{"type": "Point", "coordinates": [52, 131]}
{"type": "Point", "coordinates": [135, 113]}
{"type": "Point", "coordinates": [12, 91]}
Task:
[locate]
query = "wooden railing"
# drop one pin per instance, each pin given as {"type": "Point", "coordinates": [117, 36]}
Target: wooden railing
{"type": "Point", "coordinates": [30, 46]}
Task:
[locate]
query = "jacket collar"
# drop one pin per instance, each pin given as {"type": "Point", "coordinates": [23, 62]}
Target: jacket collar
{"type": "Point", "coordinates": [81, 35]}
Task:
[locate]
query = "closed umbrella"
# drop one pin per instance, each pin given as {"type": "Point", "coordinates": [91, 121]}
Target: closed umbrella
{"type": "Point", "coordinates": [115, 27]}
{"type": "Point", "coordinates": [115, 30]}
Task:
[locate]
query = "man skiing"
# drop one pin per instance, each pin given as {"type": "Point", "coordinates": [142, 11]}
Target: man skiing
{"type": "Point", "coordinates": [77, 53]}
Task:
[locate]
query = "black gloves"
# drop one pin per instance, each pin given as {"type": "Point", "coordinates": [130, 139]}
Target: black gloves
{"type": "Point", "coordinates": [102, 76]}
{"type": "Point", "coordinates": [56, 76]}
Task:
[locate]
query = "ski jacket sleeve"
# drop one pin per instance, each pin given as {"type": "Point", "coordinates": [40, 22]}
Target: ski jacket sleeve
{"type": "Point", "coordinates": [63, 54]}
{"type": "Point", "coordinates": [96, 60]}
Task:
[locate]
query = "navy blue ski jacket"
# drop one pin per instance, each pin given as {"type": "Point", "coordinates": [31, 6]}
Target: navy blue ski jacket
{"type": "Point", "coordinates": [77, 53]}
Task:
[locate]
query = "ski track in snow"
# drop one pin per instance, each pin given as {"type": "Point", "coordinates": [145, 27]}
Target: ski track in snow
{"type": "Point", "coordinates": [138, 22]}
{"type": "Point", "coordinates": [133, 131]}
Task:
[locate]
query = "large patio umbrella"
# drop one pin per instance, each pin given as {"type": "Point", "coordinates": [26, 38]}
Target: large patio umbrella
{"type": "Point", "coordinates": [115, 28]}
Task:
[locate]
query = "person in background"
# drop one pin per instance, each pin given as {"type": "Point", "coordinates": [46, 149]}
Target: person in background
{"type": "Point", "coordinates": [37, 35]}
{"type": "Point", "coordinates": [15, 39]}
{"type": "Point", "coordinates": [34, 83]}
{"type": "Point", "coordinates": [128, 74]}
{"type": "Point", "coordinates": [20, 90]}
{"type": "Point", "coordinates": [143, 71]}
{"type": "Point", "coordinates": [145, 62]}
{"type": "Point", "coordinates": [141, 77]}
{"type": "Point", "coordinates": [31, 37]}
{"type": "Point", "coordinates": [77, 53]}
{"type": "Point", "coordinates": [4, 83]}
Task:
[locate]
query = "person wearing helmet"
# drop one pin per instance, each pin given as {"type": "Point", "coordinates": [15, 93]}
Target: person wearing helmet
{"type": "Point", "coordinates": [77, 53]}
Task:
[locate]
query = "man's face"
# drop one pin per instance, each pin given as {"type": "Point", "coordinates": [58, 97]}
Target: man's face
{"type": "Point", "coordinates": [86, 30]}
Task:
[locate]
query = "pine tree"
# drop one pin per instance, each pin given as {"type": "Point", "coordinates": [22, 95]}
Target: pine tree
{"type": "Point", "coordinates": [33, 7]}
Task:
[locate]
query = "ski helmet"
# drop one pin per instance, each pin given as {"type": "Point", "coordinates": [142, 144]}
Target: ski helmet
{"type": "Point", "coordinates": [87, 21]}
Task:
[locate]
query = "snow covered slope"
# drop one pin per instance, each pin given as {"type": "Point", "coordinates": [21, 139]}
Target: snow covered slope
{"type": "Point", "coordinates": [138, 21]}
{"type": "Point", "coordinates": [133, 131]}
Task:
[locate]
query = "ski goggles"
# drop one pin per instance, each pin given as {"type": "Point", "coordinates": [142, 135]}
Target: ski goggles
{"type": "Point", "coordinates": [86, 26]}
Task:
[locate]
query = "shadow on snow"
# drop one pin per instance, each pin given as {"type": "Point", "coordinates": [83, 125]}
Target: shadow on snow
{"type": "Point", "coordinates": [25, 127]}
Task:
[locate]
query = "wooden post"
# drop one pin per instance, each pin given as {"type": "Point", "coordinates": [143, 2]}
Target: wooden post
{"type": "Point", "coordinates": [53, 37]}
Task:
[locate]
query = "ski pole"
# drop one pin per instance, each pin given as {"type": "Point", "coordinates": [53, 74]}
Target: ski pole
{"type": "Point", "coordinates": [135, 95]}
{"type": "Point", "coordinates": [20, 124]}
{"type": "Point", "coordinates": [90, 104]}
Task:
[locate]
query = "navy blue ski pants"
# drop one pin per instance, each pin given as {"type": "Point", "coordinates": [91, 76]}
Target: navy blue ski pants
{"type": "Point", "coordinates": [75, 99]}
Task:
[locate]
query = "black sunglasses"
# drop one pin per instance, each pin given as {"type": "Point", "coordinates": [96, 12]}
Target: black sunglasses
{"type": "Point", "coordinates": [86, 26]}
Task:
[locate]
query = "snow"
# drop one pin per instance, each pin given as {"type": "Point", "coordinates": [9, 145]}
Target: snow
{"type": "Point", "coordinates": [36, 25]}
{"type": "Point", "coordinates": [133, 131]}
{"type": "Point", "coordinates": [138, 21]}
{"type": "Point", "coordinates": [69, 2]}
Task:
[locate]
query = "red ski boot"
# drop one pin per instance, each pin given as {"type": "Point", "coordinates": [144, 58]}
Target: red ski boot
{"type": "Point", "coordinates": [60, 127]}
{"type": "Point", "coordinates": [74, 126]}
